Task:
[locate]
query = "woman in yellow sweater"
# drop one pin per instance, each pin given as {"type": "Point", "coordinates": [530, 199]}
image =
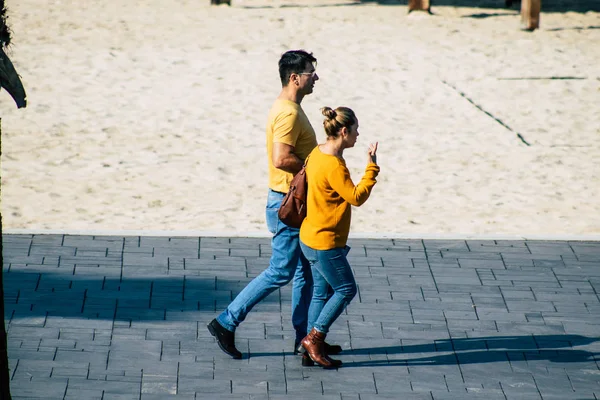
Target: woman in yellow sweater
{"type": "Point", "coordinates": [324, 232]}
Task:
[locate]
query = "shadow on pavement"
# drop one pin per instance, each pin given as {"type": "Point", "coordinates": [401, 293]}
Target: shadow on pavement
{"type": "Point", "coordinates": [35, 295]}
{"type": "Point", "coordinates": [554, 348]}
{"type": "Point", "coordinates": [489, 349]}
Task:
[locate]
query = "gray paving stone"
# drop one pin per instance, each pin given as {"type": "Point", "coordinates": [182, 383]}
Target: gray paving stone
{"type": "Point", "coordinates": [549, 247]}
{"type": "Point", "coordinates": [445, 244]}
{"type": "Point", "coordinates": [404, 396]}
{"type": "Point", "coordinates": [159, 385]}
{"type": "Point", "coordinates": [41, 388]}
{"type": "Point", "coordinates": [83, 394]}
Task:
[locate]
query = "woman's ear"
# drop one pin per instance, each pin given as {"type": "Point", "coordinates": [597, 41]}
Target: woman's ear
{"type": "Point", "coordinates": [344, 132]}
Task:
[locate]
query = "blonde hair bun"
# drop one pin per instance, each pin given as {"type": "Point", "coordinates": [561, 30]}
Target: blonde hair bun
{"type": "Point", "coordinates": [328, 112]}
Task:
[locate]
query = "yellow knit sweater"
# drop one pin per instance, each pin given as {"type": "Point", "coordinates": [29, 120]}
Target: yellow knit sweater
{"type": "Point", "coordinates": [331, 193]}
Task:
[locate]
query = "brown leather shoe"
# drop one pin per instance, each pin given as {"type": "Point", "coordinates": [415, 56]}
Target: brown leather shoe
{"type": "Point", "coordinates": [313, 343]}
{"type": "Point", "coordinates": [307, 362]}
{"type": "Point", "coordinates": [330, 349]}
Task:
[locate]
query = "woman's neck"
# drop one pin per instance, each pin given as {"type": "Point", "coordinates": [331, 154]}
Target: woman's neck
{"type": "Point", "coordinates": [333, 148]}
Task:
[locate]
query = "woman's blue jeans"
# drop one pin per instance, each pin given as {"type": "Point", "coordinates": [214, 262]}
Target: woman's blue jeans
{"type": "Point", "coordinates": [286, 262]}
{"type": "Point", "coordinates": [330, 270]}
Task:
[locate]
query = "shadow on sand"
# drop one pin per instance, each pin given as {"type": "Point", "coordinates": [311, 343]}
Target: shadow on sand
{"type": "Point", "coordinates": [581, 6]}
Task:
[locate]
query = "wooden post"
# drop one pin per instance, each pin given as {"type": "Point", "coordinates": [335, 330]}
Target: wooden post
{"type": "Point", "coordinates": [530, 14]}
{"type": "Point", "coordinates": [419, 5]}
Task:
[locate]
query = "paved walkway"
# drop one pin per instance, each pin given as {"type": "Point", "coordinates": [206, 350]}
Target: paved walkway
{"type": "Point", "coordinates": [124, 318]}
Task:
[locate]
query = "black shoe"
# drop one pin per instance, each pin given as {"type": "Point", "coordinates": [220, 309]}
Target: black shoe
{"type": "Point", "coordinates": [330, 349]}
{"type": "Point", "coordinates": [225, 339]}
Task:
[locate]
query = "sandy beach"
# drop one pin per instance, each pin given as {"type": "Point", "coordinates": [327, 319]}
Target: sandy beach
{"type": "Point", "coordinates": [150, 114]}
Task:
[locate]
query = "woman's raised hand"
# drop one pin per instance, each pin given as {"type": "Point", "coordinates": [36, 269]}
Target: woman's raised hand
{"type": "Point", "coordinates": [372, 152]}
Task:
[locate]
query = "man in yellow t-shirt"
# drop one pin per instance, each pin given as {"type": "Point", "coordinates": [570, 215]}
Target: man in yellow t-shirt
{"type": "Point", "coordinates": [290, 138]}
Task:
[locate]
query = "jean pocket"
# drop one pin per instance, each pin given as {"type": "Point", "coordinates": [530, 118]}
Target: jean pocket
{"type": "Point", "coordinates": [272, 210]}
{"type": "Point", "coordinates": [272, 219]}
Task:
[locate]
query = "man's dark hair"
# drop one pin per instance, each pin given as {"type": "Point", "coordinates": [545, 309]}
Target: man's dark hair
{"type": "Point", "coordinates": [293, 62]}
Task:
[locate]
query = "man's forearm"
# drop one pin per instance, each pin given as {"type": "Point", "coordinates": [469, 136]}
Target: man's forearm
{"type": "Point", "coordinates": [290, 163]}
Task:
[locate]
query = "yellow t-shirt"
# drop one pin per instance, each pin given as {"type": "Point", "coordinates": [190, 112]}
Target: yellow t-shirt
{"type": "Point", "coordinates": [288, 124]}
{"type": "Point", "coordinates": [331, 193]}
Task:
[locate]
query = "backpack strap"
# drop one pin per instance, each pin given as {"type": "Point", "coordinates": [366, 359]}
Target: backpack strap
{"type": "Point", "coordinates": [306, 161]}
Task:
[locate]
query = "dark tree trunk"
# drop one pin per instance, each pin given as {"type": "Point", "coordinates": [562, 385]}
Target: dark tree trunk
{"type": "Point", "coordinates": [9, 80]}
{"type": "Point", "coordinates": [4, 374]}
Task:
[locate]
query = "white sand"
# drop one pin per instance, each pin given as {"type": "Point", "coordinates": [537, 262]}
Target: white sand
{"type": "Point", "coordinates": [149, 114]}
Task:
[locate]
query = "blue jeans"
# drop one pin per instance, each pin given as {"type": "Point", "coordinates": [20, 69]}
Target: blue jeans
{"type": "Point", "coordinates": [287, 262]}
{"type": "Point", "coordinates": [330, 270]}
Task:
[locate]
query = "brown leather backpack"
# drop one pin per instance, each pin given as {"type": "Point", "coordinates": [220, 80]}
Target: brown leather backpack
{"type": "Point", "coordinates": [293, 206]}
